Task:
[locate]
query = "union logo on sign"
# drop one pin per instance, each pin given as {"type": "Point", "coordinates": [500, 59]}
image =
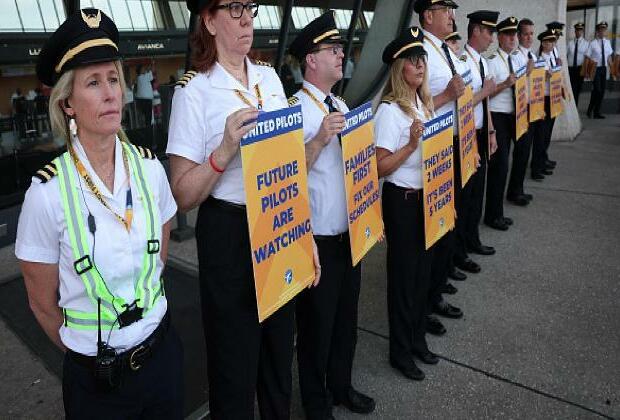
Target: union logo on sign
{"type": "Point", "coordinates": [288, 276]}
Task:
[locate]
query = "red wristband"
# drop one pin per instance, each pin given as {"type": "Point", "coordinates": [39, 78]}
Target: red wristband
{"type": "Point", "coordinates": [214, 165]}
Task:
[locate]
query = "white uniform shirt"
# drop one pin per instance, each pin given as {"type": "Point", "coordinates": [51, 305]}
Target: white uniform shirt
{"type": "Point", "coordinates": [550, 62]}
{"type": "Point", "coordinates": [392, 133]}
{"type": "Point", "coordinates": [594, 51]}
{"type": "Point", "coordinates": [328, 201]}
{"type": "Point", "coordinates": [582, 49]}
{"type": "Point", "coordinates": [42, 237]}
{"type": "Point", "coordinates": [525, 54]}
{"type": "Point", "coordinates": [144, 88]}
{"type": "Point", "coordinates": [440, 74]}
{"type": "Point", "coordinates": [473, 63]}
{"type": "Point", "coordinates": [199, 112]}
{"type": "Point", "coordinates": [499, 67]}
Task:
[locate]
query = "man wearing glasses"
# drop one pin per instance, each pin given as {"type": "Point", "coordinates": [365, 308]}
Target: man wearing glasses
{"type": "Point", "coordinates": [326, 314]}
{"type": "Point", "coordinates": [446, 86]}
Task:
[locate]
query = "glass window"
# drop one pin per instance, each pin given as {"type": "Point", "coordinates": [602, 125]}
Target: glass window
{"type": "Point", "coordinates": [268, 18]}
{"type": "Point", "coordinates": [31, 16]}
{"type": "Point", "coordinates": [9, 19]}
{"type": "Point", "coordinates": [343, 18]}
{"type": "Point", "coordinates": [50, 19]}
{"type": "Point", "coordinates": [304, 15]}
{"type": "Point", "coordinates": [368, 16]}
{"type": "Point", "coordinates": [590, 23]}
{"type": "Point", "coordinates": [98, 4]}
{"type": "Point", "coordinates": [180, 14]}
{"type": "Point", "coordinates": [137, 15]}
{"type": "Point", "coordinates": [153, 15]}
{"type": "Point", "coordinates": [60, 10]}
{"type": "Point", "coordinates": [120, 15]}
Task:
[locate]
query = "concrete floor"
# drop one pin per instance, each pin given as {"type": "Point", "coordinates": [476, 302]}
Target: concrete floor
{"type": "Point", "coordinates": [540, 336]}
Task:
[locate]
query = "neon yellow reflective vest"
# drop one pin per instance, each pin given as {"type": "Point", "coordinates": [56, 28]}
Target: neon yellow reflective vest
{"type": "Point", "coordinates": [148, 288]}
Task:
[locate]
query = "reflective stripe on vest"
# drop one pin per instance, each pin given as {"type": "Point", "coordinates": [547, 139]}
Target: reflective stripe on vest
{"type": "Point", "coordinates": [147, 287]}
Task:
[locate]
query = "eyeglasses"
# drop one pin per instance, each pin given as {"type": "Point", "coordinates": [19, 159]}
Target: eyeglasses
{"type": "Point", "coordinates": [449, 10]}
{"type": "Point", "coordinates": [236, 8]}
{"type": "Point", "coordinates": [336, 49]}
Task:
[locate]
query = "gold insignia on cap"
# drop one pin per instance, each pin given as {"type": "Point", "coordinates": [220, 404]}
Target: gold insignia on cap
{"type": "Point", "coordinates": [325, 35]}
{"type": "Point", "coordinates": [92, 20]}
{"type": "Point", "coordinates": [513, 19]}
{"type": "Point", "coordinates": [415, 32]}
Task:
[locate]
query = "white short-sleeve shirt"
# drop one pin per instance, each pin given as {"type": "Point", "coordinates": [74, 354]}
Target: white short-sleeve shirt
{"type": "Point", "coordinates": [42, 237]}
{"type": "Point", "coordinates": [595, 52]}
{"type": "Point", "coordinates": [199, 112]}
{"type": "Point", "coordinates": [392, 133]}
{"type": "Point", "coordinates": [473, 63]}
{"type": "Point", "coordinates": [328, 201]}
{"type": "Point", "coordinates": [582, 48]}
{"type": "Point", "coordinates": [144, 88]}
{"type": "Point", "coordinates": [439, 72]}
{"type": "Point", "coordinates": [499, 67]}
{"type": "Point", "coordinates": [550, 62]}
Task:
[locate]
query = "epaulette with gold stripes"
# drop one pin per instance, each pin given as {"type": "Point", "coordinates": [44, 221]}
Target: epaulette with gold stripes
{"type": "Point", "coordinates": [146, 153]}
{"type": "Point", "coordinates": [47, 172]}
{"type": "Point", "coordinates": [261, 63]}
{"type": "Point", "coordinates": [293, 100]}
{"type": "Point", "coordinates": [183, 81]}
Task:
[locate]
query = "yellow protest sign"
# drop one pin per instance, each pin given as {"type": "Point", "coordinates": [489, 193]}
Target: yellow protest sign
{"type": "Point", "coordinates": [521, 103]}
{"type": "Point", "coordinates": [555, 91]}
{"type": "Point", "coordinates": [537, 91]}
{"type": "Point", "coordinates": [361, 181]}
{"type": "Point", "coordinates": [467, 130]}
{"type": "Point", "coordinates": [278, 210]}
{"type": "Point", "coordinates": [438, 177]}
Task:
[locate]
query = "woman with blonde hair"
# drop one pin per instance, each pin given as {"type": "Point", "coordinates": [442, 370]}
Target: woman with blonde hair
{"type": "Point", "coordinates": [92, 238]}
{"type": "Point", "coordinates": [399, 127]}
{"type": "Point", "coordinates": [213, 107]}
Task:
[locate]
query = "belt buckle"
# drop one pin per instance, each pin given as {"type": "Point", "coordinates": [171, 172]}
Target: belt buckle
{"type": "Point", "coordinates": [412, 191]}
{"type": "Point", "coordinates": [132, 364]}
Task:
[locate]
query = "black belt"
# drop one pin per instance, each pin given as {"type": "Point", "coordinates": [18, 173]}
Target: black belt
{"type": "Point", "coordinates": [226, 205]}
{"type": "Point", "coordinates": [408, 193]}
{"type": "Point", "coordinates": [341, 237]}
{"type": "Point", "coordinates": [136, 356]}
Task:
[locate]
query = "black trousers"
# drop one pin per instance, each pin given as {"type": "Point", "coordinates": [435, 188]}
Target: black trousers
{"type": "Point", "coordinates": [327, 328]}
{"type": "Point", "coordinates": [145, 110]}
{"type": "Point", "coordinates": [463, 205]}
{"type": "Point", "coordinates": [477, 181]}
{"type": "Point", "coordinates": [548, 128]}
{"type": "Point", "coordinates": [520, 158]}
{"type": "Point", "coordinates": [498, 165]}
{"type": "Point", "coordinates": [153, 392]}
{"type": "Point", "coordinates": [576, 81]}
{"type": "Point", "coordinates": [244, 356]}
{"type": "Point", "coordinates": [598, 90]}
{"type": "Point", "coordinates": [539, 136]}
{"type": "Point", "coordinates": [408, 271]}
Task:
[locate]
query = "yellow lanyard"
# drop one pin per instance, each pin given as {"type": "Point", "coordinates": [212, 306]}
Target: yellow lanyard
{"type": "Point", "coordinates": [505, 62]}
{"type": "Point", "coordinates": [247, 101]}
{"type": "Point", "coordinates": [316, 101]}
{"type": "Point", "coordinates": [474, 60]}
{"type": "Point", "coordinates": [441, 54]}
{"type": "Point", "coordinates": [126, 221]}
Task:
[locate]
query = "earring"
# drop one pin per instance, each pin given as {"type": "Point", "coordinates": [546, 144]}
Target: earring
{"type": "Point", "coordinates": [72, 127]}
